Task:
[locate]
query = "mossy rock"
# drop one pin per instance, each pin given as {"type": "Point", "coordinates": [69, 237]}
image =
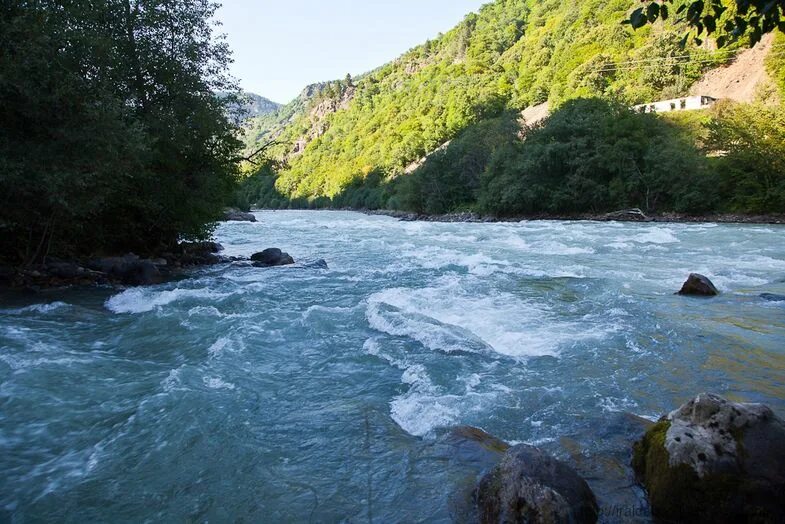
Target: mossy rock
{"type": "Point", "coordinates": [745, 485]}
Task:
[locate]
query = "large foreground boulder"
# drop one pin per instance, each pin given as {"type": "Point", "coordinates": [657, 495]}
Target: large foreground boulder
{"type": "Point", "coordinates": [699, 286]}
{"type": "Point", "coordinates": [467, 453]}
{"type": "Point", "coordinates": [235, 215]}
{"type": "Point", "coordinates": [713, 460]}
{"type": "Point", "coordinates": [528, 486]}
{"type": "Point", "coordinates": [272, 257]}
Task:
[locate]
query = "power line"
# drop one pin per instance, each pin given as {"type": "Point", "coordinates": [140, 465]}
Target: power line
{"type": "Point", "coordinates": [677, 59]}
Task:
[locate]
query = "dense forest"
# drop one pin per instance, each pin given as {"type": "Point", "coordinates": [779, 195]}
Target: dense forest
{"type": "Point", "coordinates": [112, 137]}
{"type": "Point", "coordinates": [360, 143]}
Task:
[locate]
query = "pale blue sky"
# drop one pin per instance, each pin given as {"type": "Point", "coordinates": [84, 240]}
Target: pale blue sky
{"type": "Point", "coordinates": [282, 46]}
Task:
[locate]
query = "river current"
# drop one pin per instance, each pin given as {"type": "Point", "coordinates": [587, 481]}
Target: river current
{"type": "Point", "coordinates": [302, 394]}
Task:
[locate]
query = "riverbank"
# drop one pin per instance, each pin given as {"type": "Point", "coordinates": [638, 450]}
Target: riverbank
{"type": "Point", "coordinates": [620, 216]}
{"type": "Point", "coordinates": [120, 271]}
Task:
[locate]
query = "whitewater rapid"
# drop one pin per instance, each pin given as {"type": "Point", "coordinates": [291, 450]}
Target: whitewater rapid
{"type": "Point", "coordinates": [287, 392]}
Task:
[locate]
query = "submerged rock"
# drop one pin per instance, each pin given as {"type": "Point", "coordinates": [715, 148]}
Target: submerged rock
{"type": "Point", "coordinates": [272, 257]}
{"type": "Point", "coordinates": [699, 285]}
{"type": "Point", "coordinates": [771, 297]}
{"type": "Point", "coordinates": [235, 215]}
{"type": "Point", "coordinates": [528, 486]}
{"type": "Point", "coordinates": [713, 460]}
{"type": "Point", "coordinates": [318, 264]}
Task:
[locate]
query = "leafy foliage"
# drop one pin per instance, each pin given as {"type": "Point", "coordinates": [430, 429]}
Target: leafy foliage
{"type": "Point", "coordinates": [596, 156]}
{"type": "Point", "coordinates": [752, 18]}
{"type": "Point", "coordinates": [751, 138]}
{"type": "Point", "coordinates": [111, 136]}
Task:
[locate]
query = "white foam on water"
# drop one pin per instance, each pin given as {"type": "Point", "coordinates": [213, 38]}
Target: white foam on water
{"type": "Point", "coordinates": [448, 319]}
{"type": "Point", "coordinates": [615, 405]}
{"type": "Point", "coordinates": [656, 235]}
{"type": "Point", "coordinates": [218, 347]}
{"type": "Point", "coordinates": [560, 249]}
{"type": "Point", "coordinates": [433, 257]}
{"type": "Point", "coordinates": [36, 308]}
{"type": "Point", "coordinates": [426, 407]}
{"type": "Point", "coordinates": [172, 380]}
{"type": "Point", "coordinates": [217, 383]}
{"type": "Point", "coordinates": [326, 309]}
{"type": "Point", "coordinates": [143, 300]}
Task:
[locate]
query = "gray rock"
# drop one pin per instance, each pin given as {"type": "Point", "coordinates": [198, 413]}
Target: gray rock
{"type": "Point", "coordinates": [528, 486]}
{"type": "Point", "coordinates": [235, 215]}
{"type": "Point", "coordinates": [468, 453]}
{"type": "Point", "coordinates": [713, 460]}
{"type": "Point", "coordinates": [64, 269]}
{"type": "Point", "coordinates": [128, 269]}
{"type": "Point", "coordinates": [271, 257]}
{"type": "Point", "coordinates": [699, 285]}
{"type": "Point", "coordinates": [201, 247]}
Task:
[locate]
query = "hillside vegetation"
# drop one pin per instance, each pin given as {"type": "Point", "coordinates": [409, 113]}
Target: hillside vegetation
{"type": "Point", "coordinates": [350, 143]}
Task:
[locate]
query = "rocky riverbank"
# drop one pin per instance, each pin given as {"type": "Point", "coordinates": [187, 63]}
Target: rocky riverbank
{"type": "Point", "coordinates": [119, 271]}
{"type": "Point", "coordinates": [632, 215]}
{"type": "Point", "coordinates": [130, 270]}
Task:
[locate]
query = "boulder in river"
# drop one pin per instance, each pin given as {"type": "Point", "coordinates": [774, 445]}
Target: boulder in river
{"type": "Point", "coordinates": [235, 215]}
{"type": "Point", "coordinates": [713, 460]}
{"type": "Point", "coordinates": [201, 247]}
{"type": "Point", "coordinates": [698, 285]}
{"type": "Point", "coordinates": [272, 257]}
{"type": "Point", "coordinates": [62, 269]}
{"type": "Point", "coordinates": [529, 486]}
{"type": "Point", "coordinates": [128, 269]}
{"type": "Point", "coordinates": [469, 453]}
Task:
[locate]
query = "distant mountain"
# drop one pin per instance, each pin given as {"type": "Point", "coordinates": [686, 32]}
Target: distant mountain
{"type": "Point", "coordinates": [252, 106]}
{"type": "Point", "coordinates": [309, 103]}
{"type": "Point", "coordinates": [257, 105]}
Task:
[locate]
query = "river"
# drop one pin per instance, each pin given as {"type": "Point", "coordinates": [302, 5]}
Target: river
{"type": "Point", "coordinates": [305, 394]}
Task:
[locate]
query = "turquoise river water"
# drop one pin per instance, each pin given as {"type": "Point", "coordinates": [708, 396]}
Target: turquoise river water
{"type": "Point", "coordinates": [299, 394]}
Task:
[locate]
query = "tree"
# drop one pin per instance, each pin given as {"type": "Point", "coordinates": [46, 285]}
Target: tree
{"type": "Point", "coordinates": [749, 17]}
{"type": "Point", "coordinates": [111, 135]}
{"type": "Point", "coordinates": [751, 141]}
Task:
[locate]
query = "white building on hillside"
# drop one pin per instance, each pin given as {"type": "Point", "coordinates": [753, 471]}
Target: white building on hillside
{"type": "Point", "coordinates": [688, 103]}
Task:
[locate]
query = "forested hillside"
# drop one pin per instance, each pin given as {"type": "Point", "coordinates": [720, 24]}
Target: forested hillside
{"type": "Point", "coordinates": [467, 86]}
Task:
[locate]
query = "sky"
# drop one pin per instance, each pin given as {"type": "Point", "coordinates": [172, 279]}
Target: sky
{"type": "Point", "coordinates": [279, 47]}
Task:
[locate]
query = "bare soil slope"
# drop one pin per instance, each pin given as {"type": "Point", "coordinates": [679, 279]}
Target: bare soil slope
{"type": "Point", "coordinates": [740, 79]}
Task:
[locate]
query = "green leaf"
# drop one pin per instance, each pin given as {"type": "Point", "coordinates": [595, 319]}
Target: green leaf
{"type": "Point", "coordinates": [653, 12]}
{"type": "Point", "coordinates": [710, 23]}
{"type": "Point", "coordinates": [664, 11]}
{"type": "Point", "coordinates": [637, 18]}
